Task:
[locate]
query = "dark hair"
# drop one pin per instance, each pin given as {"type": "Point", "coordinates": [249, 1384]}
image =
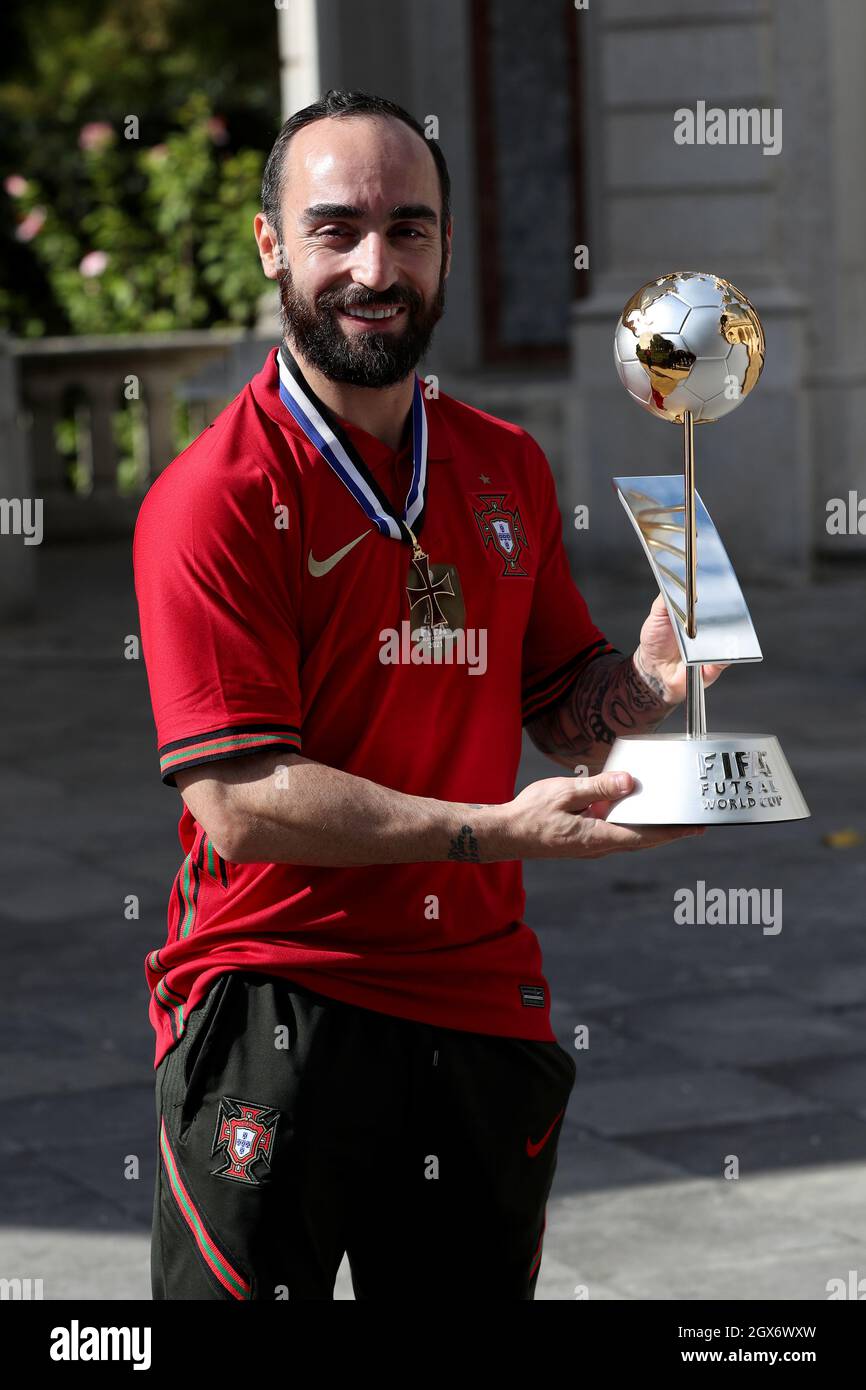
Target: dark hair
{"type": "Point", "coordinates": [337, 103]}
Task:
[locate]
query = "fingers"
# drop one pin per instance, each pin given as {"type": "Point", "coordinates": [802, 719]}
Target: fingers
{"type": "Point", "coordinates": [605, 787]}
{"type": "Point", "coordinates": [593, 798]}
{"type": "Point", "coordinates": [713, 670]}
{"type": "Point", "coordinates": [610, 839]}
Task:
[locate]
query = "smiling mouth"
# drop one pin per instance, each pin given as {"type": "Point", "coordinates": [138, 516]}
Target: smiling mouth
{"type": "Point", "coordinates": [372, 313]}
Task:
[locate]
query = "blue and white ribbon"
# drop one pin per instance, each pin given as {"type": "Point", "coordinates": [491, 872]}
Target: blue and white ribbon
{"type": "Point", "coordinates": [322, 429]}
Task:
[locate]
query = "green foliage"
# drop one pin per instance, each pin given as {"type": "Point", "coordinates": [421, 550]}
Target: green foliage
{"type": "Point", "coordinates": [172, 211]}
{"type": "Point", "coordinates": [178, 254]}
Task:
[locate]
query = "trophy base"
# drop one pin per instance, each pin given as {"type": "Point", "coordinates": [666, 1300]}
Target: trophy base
{"type": "Point", "coordinates": [717, 779]}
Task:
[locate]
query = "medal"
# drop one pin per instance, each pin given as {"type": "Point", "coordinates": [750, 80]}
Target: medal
{"type": "Point", "coordinates": [436, 607]}
{"type": "Point", "coordinates": [434, 595]}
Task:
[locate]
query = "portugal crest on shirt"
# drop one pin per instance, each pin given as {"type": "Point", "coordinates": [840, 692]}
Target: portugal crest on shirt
{"type": "Point", "coordinates": [502, 529]}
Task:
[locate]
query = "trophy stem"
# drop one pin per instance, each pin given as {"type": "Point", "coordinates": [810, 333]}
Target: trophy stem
{"type": "Point", "coordinates": [690, 527]}
{"type": "Point", "coordinates": [696, 713]}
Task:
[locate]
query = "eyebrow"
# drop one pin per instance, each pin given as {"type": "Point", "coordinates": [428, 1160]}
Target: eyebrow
{"type": "Point", "coordinates": [414, 212]}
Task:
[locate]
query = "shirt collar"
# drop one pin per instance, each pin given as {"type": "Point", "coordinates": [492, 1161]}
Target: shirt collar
{"type": "Point", "coordinates": [265, 389]}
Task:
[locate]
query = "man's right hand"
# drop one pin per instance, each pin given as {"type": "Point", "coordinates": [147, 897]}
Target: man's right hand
{"type": "Point", "coordinates": [564, 818]}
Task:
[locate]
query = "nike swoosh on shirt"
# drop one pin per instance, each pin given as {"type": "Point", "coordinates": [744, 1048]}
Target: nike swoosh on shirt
{"type": "Point", "coordinates": [534, 1149]}
{"type": "Point", "coordinates": [319, 567]}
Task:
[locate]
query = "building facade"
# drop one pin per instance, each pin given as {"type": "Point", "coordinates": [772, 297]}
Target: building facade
{"type": "Point", "coordinates": [558, 124]}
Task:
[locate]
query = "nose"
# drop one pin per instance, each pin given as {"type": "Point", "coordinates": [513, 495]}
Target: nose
{"type": "Point", "coordinates": [373, 264]}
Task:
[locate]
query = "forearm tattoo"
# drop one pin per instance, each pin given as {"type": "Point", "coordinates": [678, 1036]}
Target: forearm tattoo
{"type": "Point", "coordinates": [606, 699]}
{"type": "Point", "coordinates": [464, 846]}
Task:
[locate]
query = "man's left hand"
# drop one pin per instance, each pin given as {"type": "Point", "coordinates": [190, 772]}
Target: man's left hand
{"type": "Point", "coordinates": [658, 655]}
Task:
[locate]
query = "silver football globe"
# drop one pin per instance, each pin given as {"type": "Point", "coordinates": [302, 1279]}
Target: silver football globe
{"type": "Point", "coordinates": [689, 341]}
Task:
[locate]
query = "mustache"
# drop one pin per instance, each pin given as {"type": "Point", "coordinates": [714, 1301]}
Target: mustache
{"type": "Point", "coordinates": [368, 301]}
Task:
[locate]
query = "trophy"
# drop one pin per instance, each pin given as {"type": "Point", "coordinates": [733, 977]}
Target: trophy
{"type": "Point", "coordinates": [689, 347]}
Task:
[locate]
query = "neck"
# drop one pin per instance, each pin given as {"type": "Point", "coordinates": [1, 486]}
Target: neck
{"type": "Point", "coordinates": [381, 411]}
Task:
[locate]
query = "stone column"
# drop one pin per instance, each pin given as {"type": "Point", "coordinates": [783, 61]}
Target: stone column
{"type": "Point", "coordinates": [421, 57]}
{"type": "Point", "coordinates": [820, 60]}
{"type": "Point", "coordinates": [158, 388]}
{"type": "Point", "coordinates": [103, 396]}
{"type": "Point", "coordinates": [298, 31]}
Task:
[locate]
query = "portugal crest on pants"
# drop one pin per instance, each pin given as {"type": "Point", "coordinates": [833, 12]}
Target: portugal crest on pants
{"type": "Point", "coordinates": [245, 1135]}
{"type": "Point", "coordinates": [504, 530]}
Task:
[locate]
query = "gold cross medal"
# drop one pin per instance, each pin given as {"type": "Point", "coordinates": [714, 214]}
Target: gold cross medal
{"type": "Point", "coordinates": [436, 608]}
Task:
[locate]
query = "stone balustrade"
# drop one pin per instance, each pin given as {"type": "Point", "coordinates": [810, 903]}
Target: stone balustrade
{"type": "Point", "coordinates": [90, 379]}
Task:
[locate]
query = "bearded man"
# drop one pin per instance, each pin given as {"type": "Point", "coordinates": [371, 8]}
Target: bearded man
{"type": "Point", "coordinates": [354, 1053]}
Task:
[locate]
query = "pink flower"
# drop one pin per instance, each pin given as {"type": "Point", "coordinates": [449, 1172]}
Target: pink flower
{"type": "Point", "coordinates": [95, 135]}
{"type": "Point", "coordinates": [157, 153]}
{"type": "Point", "coordinates": [93, 264]}
{"type": "Point", "coordinates": [31, 225]}
{"type": "Point", "coordinates": [16, 186]}
{"type": "Point", "coordinates": [218, 130]}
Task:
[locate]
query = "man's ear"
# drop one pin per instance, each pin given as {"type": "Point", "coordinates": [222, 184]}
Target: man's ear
{"type": "Point", "coordinates": [271, 252]}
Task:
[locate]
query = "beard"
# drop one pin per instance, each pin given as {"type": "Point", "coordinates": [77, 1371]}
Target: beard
{"type": "Point", "coordinates": [363, 359]}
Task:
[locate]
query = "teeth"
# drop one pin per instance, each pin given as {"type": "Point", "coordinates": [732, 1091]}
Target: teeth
{"type": "Point", "coordinates": [373, 313]}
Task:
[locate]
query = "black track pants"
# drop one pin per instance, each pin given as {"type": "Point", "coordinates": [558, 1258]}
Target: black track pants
{"type": "Point", "coordinates": [294, 1129]}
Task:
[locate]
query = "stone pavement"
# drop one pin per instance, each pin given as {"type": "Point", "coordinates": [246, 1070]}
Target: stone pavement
{"type": "Point", "coordinates": [705, 1041]}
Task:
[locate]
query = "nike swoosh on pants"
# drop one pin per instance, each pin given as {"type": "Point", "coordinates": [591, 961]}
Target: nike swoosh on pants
{"type": "Point", "coordinates": [534, 1149]}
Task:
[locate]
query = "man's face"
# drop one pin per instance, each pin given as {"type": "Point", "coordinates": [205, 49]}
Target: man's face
{"type": "Point", "coordinates": [360, 231]}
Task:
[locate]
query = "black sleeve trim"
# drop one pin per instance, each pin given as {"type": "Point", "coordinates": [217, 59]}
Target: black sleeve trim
{"type": "Point", "coordinates": [233, 742]}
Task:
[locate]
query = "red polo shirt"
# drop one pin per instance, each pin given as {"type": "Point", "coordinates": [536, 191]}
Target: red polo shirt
{"type": "Point", "coordinates": [255, 637]}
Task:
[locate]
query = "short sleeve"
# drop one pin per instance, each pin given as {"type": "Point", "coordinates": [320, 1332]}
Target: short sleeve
{"type": "Point", "coordinates": [560, 635]}
{"type": "Point", "coordinates": [218, 622]}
